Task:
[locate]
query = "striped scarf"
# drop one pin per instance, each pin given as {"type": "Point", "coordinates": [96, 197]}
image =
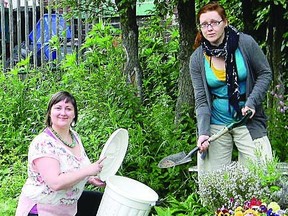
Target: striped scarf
{"type": "Point", "coordinates": [227, 50]}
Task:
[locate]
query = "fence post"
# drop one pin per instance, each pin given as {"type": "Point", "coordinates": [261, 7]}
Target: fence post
{"type": "Point", "coordinates": [18, 27]}
{"type": "Point", "coordinates": [11, 31]}
{"type": "Point", "coordinates": [26, 24]}
{"type": "Point", "coordinates": [42, 32]}
{"type": "Point", "coordinates": [3, 35]}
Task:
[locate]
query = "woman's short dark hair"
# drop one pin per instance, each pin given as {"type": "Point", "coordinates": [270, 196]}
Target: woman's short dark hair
{"type": "Point", "coordinates": [56, 98]}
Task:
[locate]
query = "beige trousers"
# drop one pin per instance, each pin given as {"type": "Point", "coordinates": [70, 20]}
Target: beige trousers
{"type": "Point", "coordinates": [219, 153]}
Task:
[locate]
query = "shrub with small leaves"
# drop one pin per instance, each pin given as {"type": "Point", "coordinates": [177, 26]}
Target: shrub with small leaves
{"type": "Point", "coordinates": [231, 182]}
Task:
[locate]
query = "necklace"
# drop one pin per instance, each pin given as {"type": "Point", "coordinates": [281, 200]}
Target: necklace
{"type": "Point", "coordinates": [71, 145]}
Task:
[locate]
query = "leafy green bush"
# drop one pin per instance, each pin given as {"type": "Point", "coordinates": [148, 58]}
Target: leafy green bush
{"type": "Point", "coordinates": [7, 206]}
{"type": "Point", "coordinates": [106, 102]}
{"type": "Point", "coordinates": [190, 207]}
{"type": "Point", "coordinates": [239, 183]}
{"type": "Point", "coordinates": [277, 124]}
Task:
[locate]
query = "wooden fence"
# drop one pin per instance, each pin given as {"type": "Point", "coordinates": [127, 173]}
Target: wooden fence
{"type": "Point", "coordinates": [27, 26]}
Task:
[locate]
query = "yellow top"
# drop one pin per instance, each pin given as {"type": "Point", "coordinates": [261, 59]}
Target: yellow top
{"type": "Point", "coordinates": [220, 74]}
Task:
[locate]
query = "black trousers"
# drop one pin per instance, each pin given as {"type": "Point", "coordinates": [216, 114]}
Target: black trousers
{"type": "Point", "coordinates": [87, 204]}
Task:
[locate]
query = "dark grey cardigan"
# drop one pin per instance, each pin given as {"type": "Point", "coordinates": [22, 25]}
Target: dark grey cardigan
{"type": "Point", "coordinates": [258, 80]}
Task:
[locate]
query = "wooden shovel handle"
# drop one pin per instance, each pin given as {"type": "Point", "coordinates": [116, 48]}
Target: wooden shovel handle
{"type": "Point", "coordinates": [229, 127]}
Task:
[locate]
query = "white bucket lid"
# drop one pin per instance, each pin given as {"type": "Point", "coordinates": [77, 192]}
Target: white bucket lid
{"type": "Point", "coordinates": [114, 150]}
{"type": "Point", "coordinates": [132, 189]}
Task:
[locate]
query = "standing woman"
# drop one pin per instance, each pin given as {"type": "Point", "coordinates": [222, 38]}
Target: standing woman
{"type": "Point", "coordinates": [58, 167]}
{"type": "Point", "coordinates": [230, 75]}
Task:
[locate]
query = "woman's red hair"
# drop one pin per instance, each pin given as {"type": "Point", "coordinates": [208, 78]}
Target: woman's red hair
{"type": "Point", "coordinates": [211, 6]}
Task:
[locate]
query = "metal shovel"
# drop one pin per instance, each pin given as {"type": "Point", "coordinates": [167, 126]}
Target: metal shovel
{"type": "Point", "coordinates": [181, 158]}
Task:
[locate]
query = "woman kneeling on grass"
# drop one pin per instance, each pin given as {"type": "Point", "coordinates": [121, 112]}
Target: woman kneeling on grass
{"type": "Point", "coordinates": [58, 167]}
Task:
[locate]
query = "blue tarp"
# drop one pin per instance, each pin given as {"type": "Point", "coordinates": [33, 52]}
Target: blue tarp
{"type": "Point", "coordinates": [46, 25]}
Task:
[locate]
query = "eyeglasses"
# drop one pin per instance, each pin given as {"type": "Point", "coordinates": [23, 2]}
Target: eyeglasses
{"type": "Point", "coordinates": [212, 24]}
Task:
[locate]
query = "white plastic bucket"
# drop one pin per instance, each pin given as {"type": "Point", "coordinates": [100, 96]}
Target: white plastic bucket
{"type": "Point", "coordinates": [126, 197]}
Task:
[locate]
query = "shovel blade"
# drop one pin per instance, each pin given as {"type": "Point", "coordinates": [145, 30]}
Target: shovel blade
{"type": "Point", "coordinates": [174, 160]}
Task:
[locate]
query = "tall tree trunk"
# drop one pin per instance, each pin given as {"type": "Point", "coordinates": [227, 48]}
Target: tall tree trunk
{"type": "Point", "coordinates": [248, 18]}
{"type": "Point", "coordinates": [130, 35]}
{"type": "Point", "coordinates": [277, 32]}
{"type": "Point", "coordinates": [274, 43]}
{"type": "Point", "coordinates": [187, 27]}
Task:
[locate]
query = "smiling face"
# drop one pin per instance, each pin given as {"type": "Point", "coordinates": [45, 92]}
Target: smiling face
{"type": "Point", "coordinates": [62, 110]}
{"type": "Point", "coordinates": [62, 114]}
{"type": "Point", "coordinates": [213, 31]}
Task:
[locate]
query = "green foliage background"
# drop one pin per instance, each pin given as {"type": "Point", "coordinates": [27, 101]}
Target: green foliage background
{"type": "Point", "coordinates": [106, 102]}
